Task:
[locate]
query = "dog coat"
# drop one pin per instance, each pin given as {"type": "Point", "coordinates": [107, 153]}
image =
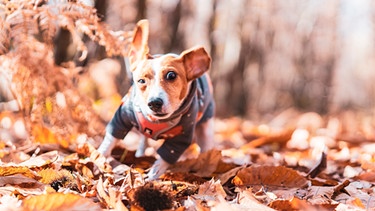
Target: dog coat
{"type": "Point", "coordinates": [177, 130]}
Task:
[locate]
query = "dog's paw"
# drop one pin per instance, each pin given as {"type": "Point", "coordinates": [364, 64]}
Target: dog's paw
{"type": "Point", "coordinates": [159, 167]}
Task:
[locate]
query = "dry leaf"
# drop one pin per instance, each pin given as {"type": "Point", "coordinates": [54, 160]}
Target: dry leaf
{"type": "Point", "coordinates": [269, 176]}
{"type": "Point", "coordinates": [294, 204]}
{"type": "Point", "coordinates": [41, 160]}
{"type": "Point", "coordinates": [320, 195]}
{"type": "Point", "coordinates": [211, 190]}
{"type": "Point", "coordinates": [319, 167]}
{"type": "Point", "coordinates": [88, 150]}
{"type": "Point", "coordinates": [247, 201]}
{"type": "Point", "coordinates": [11, 170]}
{"type": "Point", "coordinates": [59, 201]}
{"type": "Point", "coordinates": [20, 181]}
{"type": "Point", "coordinates": [205, 165]}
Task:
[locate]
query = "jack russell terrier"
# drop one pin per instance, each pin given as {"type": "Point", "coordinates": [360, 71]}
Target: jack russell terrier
{"type": "Point", "coordinates": [170, 99]}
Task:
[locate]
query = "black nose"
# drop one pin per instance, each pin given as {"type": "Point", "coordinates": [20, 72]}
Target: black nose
{"type": "Point", "coordinates": [155, 104]}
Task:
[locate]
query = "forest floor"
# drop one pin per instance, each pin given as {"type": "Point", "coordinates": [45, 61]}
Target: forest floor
{"type": "Point", "coordinates": [311, 163]}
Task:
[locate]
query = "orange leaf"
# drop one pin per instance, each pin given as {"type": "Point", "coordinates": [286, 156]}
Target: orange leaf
{"type": "Point", "coordinates": [11, 170]}
{"type": "Point", "coordinates": [270, 176]}
{"type": "Point", "coordinates": [59, 201]}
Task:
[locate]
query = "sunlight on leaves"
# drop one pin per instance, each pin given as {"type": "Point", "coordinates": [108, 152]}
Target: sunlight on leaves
{"type": "Point", "coordinates": [44, 135]}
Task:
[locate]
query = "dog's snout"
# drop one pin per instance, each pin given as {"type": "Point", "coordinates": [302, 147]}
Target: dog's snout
{"type": "Point", "coordinates": [155, 104]}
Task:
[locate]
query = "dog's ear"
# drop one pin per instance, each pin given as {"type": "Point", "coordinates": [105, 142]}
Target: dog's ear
{"type": "Point", "coordinates": [139, 46]}
{"type": "Point", "coordinates": [196, 61]}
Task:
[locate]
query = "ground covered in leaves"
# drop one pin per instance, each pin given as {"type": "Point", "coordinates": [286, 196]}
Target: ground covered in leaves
{"type": "Point", "coordinates": [312, 164]}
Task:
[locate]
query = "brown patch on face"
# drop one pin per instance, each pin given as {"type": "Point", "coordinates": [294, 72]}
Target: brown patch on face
{"type": "Point", "coordinates": [176, 88]}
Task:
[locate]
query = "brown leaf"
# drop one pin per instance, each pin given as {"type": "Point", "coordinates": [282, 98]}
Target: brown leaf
{"type": "Point", "coordinates": [229, 174]}
{"type": "Point", "coordinates": [59, 201]}
{"type": "Point", "coordinates": [211, 189]}
{"type": "Point", "coordinates": [319, 167]}
{"type": "Point", "coordinates": [247, 201]}
{"type": "Point", "coordinates": [320, 195]}
{"type": "Point", "coordinates": [41, 160]}
{"type": "Point", "coordinates": [203, 166]}
{"type": "Point", "coordinates": [279, 137]}
{"type": "Point", "coordinates": [294, 204]}
{"type": "Point", "coordinates": [270, 176]}
{"type": "Point", "coordinates": [11, 170]}
{"type": "Point", "coordinates": [20, 181]}
{"type": "Point", "coordinates": [181, 176]}
{"type": "Point", "coordinates": [88, 150]}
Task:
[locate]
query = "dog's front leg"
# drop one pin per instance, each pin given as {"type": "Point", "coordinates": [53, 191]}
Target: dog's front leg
{"type": "Point", "coordinates": [143, 144]}
{"type": "Point", "coordinates": [159, 167]}
{"type": "Point", "coordinates": [109, 142]}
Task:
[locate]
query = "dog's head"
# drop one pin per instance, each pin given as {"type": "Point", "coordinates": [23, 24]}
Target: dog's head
{"type": "Point", "coordinates": [162, 82]}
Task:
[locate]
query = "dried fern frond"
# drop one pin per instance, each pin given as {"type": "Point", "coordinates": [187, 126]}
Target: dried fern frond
{"type": "Point", "coordinates": [28, 19]}
{"type": "Point", "coordinates": [22, 25]}
{"type": "Point", "coordinates": [26, 42]}
{"type": "Point", "coordinates": [47, 24]}
{"type": "Point", "coordinates": [4, 37]}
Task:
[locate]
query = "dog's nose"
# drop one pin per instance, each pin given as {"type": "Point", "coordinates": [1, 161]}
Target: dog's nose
{"type": "Point", "coordinates": [155, 104]}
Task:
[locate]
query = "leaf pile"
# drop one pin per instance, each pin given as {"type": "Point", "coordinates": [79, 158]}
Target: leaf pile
{"type": "Point", "coordinates": [273, 175]}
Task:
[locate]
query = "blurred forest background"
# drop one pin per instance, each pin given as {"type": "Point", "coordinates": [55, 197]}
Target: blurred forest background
{"type": "Point", "coordinates": [268, 56]}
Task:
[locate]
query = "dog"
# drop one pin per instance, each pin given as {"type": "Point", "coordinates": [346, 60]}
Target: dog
{"type": "Point", "coordinates": [171, 99]}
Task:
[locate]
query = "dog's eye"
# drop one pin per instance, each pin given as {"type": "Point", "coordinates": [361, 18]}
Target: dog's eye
{"type": "Point", "coordinates": [170, 75]}
{"type": "Point", "coordinates": [141, 81]}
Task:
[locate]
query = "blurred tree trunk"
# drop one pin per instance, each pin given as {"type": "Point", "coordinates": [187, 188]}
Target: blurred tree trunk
{"type": "Point", "coordinates": [354, 72]}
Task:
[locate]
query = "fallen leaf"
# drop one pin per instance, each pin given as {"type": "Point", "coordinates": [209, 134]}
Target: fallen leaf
{"type": "Point", "coordinates": [319, 167]}
{"type": "Point", "coordinates": [11, 170]}
{"type": "Point", "coordinates": [41, 160]}
{"type": "Point", "coordinates": [181, 176]}
{"type": "Point", "coordinates": [59, 201]}
{"type": "Point", "coordinates": [229, 174]}
{"type": "Point", "coordinates": [98, 159]}
{"type": "Point", "coordinates": [205, 165]}
{"type": "Point", "coordinates": [211, 189]}
{"type": "Point", "coordinates": [277, 137]}
{"type": "Point", "coordinates": [247, 201]}
{"type": "Point", "coordinates": [269, 176]}
{"type": "Point", "coordinates": [111, 197]}
{"type": "Point", "coordinates": [295, 204]}
{"type": "Point", "coordinates": [20, 181]}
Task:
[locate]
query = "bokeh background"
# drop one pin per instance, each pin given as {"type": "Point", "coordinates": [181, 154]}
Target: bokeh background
{"type": "Point", "coordinates": [268, 56]}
